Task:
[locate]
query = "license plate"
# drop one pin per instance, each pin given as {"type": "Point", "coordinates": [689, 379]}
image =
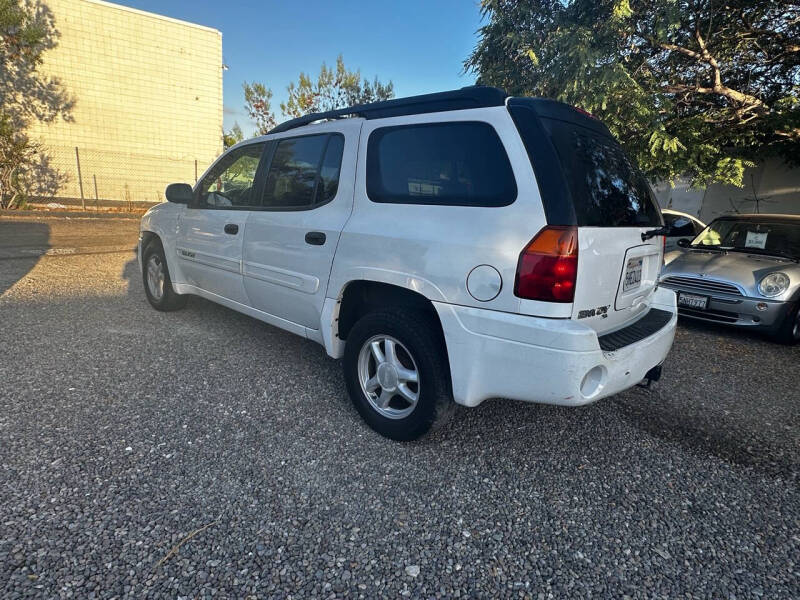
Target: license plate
{"type": "Point", "coordinates": [692, 301]}
{"type": "Point", "coordinates": [633, 274]}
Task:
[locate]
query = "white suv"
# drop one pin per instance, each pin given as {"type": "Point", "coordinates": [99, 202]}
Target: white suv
{"type": "Point", "coordinates": [456, 246]}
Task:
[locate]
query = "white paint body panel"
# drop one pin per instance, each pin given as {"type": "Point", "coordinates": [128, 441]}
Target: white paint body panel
{"type": "Point", "coordinates": [498, 345]}
{"type": "Point", "coordinates": [284, 275]}
{"type": "Point", "coordinates": [602, 256]}
{"type": "Point", "coordinates": [209, 258]}
{"type": "Point", "coordinates": [494, 354]}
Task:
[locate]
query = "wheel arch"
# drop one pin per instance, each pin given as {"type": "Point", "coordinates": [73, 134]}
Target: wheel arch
{"type": "Point", "coordinates": [361, 296]}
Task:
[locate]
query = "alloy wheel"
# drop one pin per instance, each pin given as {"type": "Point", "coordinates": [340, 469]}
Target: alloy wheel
{"type": "Point", "coordinates": [389, 376]}
{"type": "Point", "coordinates": [155, 276]}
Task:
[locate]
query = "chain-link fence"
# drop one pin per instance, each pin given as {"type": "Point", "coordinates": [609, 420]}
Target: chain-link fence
{"type": "Point", "coordinates": [78, 175]}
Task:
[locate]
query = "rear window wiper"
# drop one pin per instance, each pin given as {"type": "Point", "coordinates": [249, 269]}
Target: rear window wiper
{"type": "Point", "coordinates": [654, 232]}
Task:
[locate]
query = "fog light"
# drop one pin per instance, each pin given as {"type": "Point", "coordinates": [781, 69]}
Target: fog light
{"type": "Point", "coordinates": [762, 306]}
{"type": "Point", "coordinates": [593, 381]}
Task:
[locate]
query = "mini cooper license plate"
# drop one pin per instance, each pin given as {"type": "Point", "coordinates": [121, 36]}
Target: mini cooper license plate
{"type": "Point", "coordinates": [692, 301]}
{"type": "Point", "coordinates": [633, 274]}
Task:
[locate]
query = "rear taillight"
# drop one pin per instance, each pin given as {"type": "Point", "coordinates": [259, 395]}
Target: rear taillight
{"type": "Point", "coordinates": [548, 266]}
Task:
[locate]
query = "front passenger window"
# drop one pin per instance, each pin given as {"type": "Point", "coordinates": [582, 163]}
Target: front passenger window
{"type": "Point", "coordinates": [229, 183]}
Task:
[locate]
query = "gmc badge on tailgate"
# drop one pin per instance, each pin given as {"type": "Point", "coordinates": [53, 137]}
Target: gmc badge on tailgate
{"type": "Point", "coordinates": [600, 311]}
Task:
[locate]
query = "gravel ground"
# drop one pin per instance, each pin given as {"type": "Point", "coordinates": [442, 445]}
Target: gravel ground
{"type": "Point", "coordinates": [125, 433]}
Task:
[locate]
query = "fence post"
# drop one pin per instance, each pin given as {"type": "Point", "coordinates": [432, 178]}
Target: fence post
{"type": "Point", "coordinates": [195, 170]}
{"type": "Point", "coordinates": [80, 179]}
{"type": "Point", "coordinates": [96, 198]}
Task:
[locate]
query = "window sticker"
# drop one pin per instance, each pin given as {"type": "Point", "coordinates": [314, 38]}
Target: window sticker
{"type": "Point", "coordinates": [755, 240]}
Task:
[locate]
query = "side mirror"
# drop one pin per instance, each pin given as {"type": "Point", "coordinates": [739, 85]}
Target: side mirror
{"type": "Point", "coordinates": [684, 243]}
{"type": "Point", "coordinates": [180, 193]}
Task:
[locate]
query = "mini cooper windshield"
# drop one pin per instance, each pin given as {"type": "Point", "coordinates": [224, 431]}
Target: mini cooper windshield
{"type": "Point", "coordinates": [770, 237]}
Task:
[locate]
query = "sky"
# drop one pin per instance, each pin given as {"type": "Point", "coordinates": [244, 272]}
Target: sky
{"type": "Point", "coordinates": [419, 45]}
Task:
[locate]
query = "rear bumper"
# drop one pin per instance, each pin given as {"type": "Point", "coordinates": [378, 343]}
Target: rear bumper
{"type": "Point", "coordinates": [552, 361]}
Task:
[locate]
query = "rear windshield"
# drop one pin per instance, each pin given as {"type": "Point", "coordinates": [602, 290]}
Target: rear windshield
{"type": "Point", "coordinates": [606, 189]}
{"type": "Point", "coordinates": [588, 180]}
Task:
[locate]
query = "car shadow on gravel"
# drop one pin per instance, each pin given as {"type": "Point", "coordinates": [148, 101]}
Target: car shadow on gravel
{"type": "Point", "coordinates": [710, 436]}
{"type": "Point", "coordinates": [22, 243]}
{"type": "Point", "coordinates": [726, 392]}
{"type": "Point", "coordinates": [659, 412]}
{"type": "Point", "coordinates": [736, 334]}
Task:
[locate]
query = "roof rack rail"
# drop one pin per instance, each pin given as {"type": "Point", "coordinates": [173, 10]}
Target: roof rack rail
{"type": "Point", "coordinates": [475, 96]}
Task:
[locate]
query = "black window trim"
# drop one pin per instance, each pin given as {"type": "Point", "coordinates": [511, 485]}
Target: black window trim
{"type": "Point", "coordinates": [195, 203]}
{"type": "Point", "coordinates": [426, 202]}
{"type": "Point", "coordinates": [266, 165]}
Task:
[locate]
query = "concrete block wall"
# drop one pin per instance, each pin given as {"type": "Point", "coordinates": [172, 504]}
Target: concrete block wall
{"type": "Point", "coordinates": [148, 93]}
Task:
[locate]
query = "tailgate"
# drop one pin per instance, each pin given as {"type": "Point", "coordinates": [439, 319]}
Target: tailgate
{"type": "Point", "coordinates": [587, 181]}
{"type": "Point", "coordinates": [617, 274]}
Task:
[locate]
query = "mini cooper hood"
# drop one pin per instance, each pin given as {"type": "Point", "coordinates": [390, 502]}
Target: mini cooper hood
{"type": "Point", "coordinates": [736, 267]}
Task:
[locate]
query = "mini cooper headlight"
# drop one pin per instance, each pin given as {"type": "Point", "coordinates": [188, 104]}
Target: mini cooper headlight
{"type": "Point", "coordinates": [774, 284]}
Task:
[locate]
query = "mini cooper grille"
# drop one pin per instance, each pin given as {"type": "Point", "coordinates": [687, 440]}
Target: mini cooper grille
{"type": "Point", "coordinates": [706, 285]}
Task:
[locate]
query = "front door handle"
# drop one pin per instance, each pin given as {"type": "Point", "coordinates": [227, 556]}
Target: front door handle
{"type": "Point", "coordinates": [232, 228]}
{"type": "Point", "coordinates": [315, 238]}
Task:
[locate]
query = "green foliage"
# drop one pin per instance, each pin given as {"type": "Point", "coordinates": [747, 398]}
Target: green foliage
{"type": "Point", "coordinates": [333, 88]}
{"type": "Point", "coordinates": [232, 137]}
{"type": "Point", "coordinates": [26, 32]}
{"type": "Point", "coordinates": [689, 87]}
{"type": "Point", "coordinates": [257, 98]}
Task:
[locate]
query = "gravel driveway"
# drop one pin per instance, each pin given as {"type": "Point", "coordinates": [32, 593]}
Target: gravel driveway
{"type": "Point", "coordinates": [126, 433]}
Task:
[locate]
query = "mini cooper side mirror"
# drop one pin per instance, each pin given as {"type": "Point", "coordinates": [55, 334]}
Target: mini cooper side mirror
{"type": "Point", "coordinates": [684, 243]}
{"type": "Point", "coordinates": [180, 193]}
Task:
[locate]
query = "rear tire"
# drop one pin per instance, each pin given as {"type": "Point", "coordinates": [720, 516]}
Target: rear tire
{"type": "Point", "coordinates": [156, 279]}
{"type": "Point", "coordinates": [789, 332]}
{"type": "Point", "coordinates": [397, 375]}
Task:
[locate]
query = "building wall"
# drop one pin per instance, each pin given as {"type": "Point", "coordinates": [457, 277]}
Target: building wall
{"type": "Point", "coordinates": [148, 92]}
{"type": "Point", "coordinates": [775, 184]}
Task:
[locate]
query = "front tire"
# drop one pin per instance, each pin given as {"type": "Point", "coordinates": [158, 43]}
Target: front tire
{"type": "Point", "coordinates": [156, 279]}
{"type": "Point", "coordinates": [789, 332]}
{"type": "Point", "coordinates": [397, 375]}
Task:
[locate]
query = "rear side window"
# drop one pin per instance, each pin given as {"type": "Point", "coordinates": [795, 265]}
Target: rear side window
{"type": "Point", "coordinates": [457, 163]}
{"type": "Point", "coordinates": [304, 172]}
{"type": "Point", "coordinates": [606, 189]}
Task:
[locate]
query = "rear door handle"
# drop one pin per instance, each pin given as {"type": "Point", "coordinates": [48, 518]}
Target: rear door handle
{"type": "Point", "coordinates": [315, 238]}
{"type": "Point", "coordinates": [232, 228]}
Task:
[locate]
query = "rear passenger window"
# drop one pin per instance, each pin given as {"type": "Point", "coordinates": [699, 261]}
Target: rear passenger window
{"type": "Point", "coordinates": [457, 163]}
{"type": "Point", "coordinates": [304, 172]}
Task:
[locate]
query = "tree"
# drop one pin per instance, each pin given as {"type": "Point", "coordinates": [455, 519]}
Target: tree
{"type": "Point", "coordinates": [257, 99]}
{"type": "Point", "coordinates": [334, 88]}
{"type": "Point", "coordinates": [690, 87]}
{"type": "Point", "coordinates": [232, 137]}
{"type": "Point", "coordinates": [27, 31]}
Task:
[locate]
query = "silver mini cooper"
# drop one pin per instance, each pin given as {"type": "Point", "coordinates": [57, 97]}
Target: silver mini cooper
{"type": "Point", "coordinates": [741, 270]}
